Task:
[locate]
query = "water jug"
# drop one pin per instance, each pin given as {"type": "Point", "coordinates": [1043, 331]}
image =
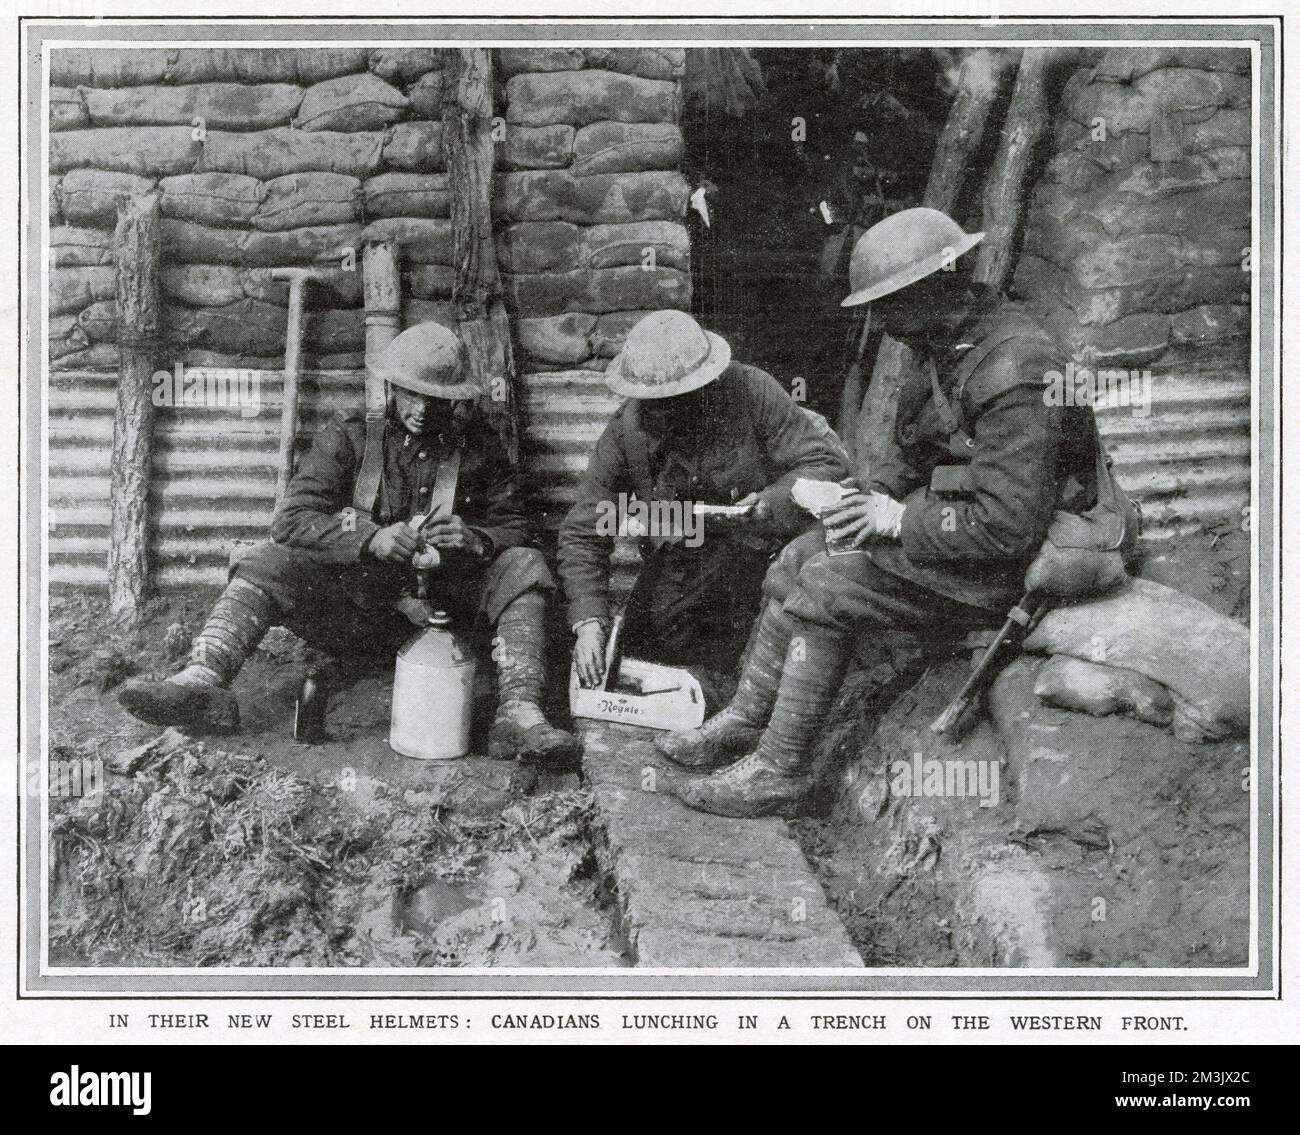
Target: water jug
{"type": "Point", "coordinates": [433, 694]}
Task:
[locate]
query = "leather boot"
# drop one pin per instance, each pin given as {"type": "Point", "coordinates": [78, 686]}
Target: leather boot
{"type": "Point", "coordinates": [520, 728]}
{"type": "Point", "coordinates": [738, 726]}
{"type": "Point", "coordinates": [777, 779]}
{"type": "Point", "coordinates": [197, 699]}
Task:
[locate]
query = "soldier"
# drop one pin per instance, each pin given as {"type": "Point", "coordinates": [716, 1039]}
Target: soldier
{"type": "Point", "coordinates": [342, 564]}
{"type": "Point", "coordinates": [697, 428]}
{"type": "Point", "coordinates": [940, 533]}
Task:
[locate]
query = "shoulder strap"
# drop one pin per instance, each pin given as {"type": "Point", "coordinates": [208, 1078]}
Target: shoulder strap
{"type": "Point", "coordinates": [366, 488]}
{"type": "Point", "coordinates": [442, 498]}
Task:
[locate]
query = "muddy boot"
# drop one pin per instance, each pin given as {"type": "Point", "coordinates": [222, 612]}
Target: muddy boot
{"type": "Point", "coordinates": [197, 699]}
{"type": "Point", "coordinates": [738, 726]}
{"type": "Point", "coordinates": [520, 729]}
{"type": "Point", "coordinates": [777, 778]}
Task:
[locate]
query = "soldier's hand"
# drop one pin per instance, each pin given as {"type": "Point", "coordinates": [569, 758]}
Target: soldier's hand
{"type": "Point", "coordinates": [759, 510]}
{"type": "Point", "coordinates": [452, 534]}
{"type": "Point", "coordinates": [589, 654]}
{"type": "Point", "coordinates": [860, 517]}
{"type": "Point", "coordinates": [395, 544]}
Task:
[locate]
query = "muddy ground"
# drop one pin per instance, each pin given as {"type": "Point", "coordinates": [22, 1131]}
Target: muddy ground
{"type": "Point", "coordinates": [1139, 857]}
{"type": "Point", "coordinates": [255, 850]}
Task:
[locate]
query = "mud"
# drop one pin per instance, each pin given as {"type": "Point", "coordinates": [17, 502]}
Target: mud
{"type": "Point", "coordinates": [255, 850]}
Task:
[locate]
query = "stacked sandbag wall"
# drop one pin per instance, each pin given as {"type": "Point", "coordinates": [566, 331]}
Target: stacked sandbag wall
{"type": "Point", "coordinates": [589, 209]}
{"type": "Point", "coordinates": [264, 158]}
{"type": "Point", "coordinates": [261, 158]}
{"type": "Point", "coordinates": [1137, 245]}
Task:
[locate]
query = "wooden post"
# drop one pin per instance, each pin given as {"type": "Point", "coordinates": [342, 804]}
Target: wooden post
{"type": "Point", "coordinates": [1027, 120]}
{"type": "Point", "coordinates": [978, 81]}
{"type": "Point", "coordinates": [484, 325]}
{"type": "Point", "coordinates": [136, 253]}
{"type": "Point", "coordinates": [381, 284]}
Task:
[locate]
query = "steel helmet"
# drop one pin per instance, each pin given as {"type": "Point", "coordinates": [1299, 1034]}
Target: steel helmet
{"type": "Point", "coordinates": [901, 249]}
{"type": "Point", "coordinates": [427, 359]}
{"type": "Point", "coordinates": [667, 353]}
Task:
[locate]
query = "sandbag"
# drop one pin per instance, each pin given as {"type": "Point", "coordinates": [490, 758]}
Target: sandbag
{"type": "Point", "coordinates": [329, 287]}
{"type": "Point", "coordinates": [245, 326]}
{"type": "Point", "coordinates": [1090, 687]}
{"type": "Point", "coordinates": [1124, 64]}
{"type": "Point", "coordinates": [537, 246]}
{"type": "Point", "coordinates": [583, 97]}
{"type": "Point", "coordinates": [417, 311]}
{"type": "Point", "coordinates": [217, 106]}
{"type": "Point", "coordinates": [66, 336]}
{"type": "Point", "coordinates": [67, 109]}
{"type": "Point", "coordinates": [1210, 323]}
{"type": "Point", "coordinates": [422, 241]}
{"type": "Point", "coordinates": [301, 199]}
{"type": "Point", "coordinates": [223, 200]}
{"type": "Point", "coordinates": [217, 285]}
{"type": "Point", "coordinates": [74, 247]}
{"type": "Point", "coordinates": [429, 281]}
{"type": "Point", "coordinates": [603, 198]}
{"type": "Point", "coordinates": [98, 322]}
{"type": "Point", "coordinates": [619, 147]}
{"type": "Point", "coordinates": [150, 151]}
{"type": "Point", "coordinates": [407, 195]}
{"type": "Point", "coordinates": [334, 330]}
{"type": "Point", "coordinates": [188, 243]}
{"type": "Point", "coordinates": [647, 62]}
{"type": "Point", "coordinates": [312, 361]}
{"type": "Point", "coordinates": [512, 61]}
{"type": "Point", "coordinates": [107, 66]}
{"type": "Point", "coordinates": [1200, 656]}
{"type": "Point", "coordinates": [535, 147]}
{"type": "Point", "coordinates": [414, 146]}
{"type": "Point", "coordinates": [72, 289]}
{"type": "Point", "coordinates": [202, 285]}
{"type": "Point", "coordinates": [99, 356]}
{"type": "Point", "coordinates": [91, 196]}
{"type": "Point", "coordinates": [556, 338]}
{"type": "Point", "coordinates": [426, 95]}
{"type": "Point", "coordinates": [404, 65]}
{"type": "Point", "coordinates": [611, 331]}
{"type": "Point", "coordinates": [54, 185]}
{"type": "Point", "coordinates": [351, 103]}
{"type": "Point", "coordinates": [272, 64]}
{"type": "Point", "coordinates": [662, 244]}
{"type": "Point", "coordinates": [597, 291]}
{"type": "Point", "coordinates": [274, 153]}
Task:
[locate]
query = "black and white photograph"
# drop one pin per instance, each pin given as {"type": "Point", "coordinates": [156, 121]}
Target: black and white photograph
{"type": "Point", "coordinates": [648, 507]}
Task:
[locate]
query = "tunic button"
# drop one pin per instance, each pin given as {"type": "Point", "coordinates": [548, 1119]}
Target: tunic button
{"type": "Point", "coordinates": [420, 455]}
{"type": "Point", "coordinates": [424, 490]}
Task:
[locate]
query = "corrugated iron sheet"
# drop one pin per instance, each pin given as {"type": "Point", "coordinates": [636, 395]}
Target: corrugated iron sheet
{"type": "Point", "coordinates": [1187, 460]}
{"type": "Point", "coordinates": [214, 472]}
{"type": "Point", "coordinates": [214, 468]}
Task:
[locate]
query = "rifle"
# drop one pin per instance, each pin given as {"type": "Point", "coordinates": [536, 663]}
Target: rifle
{"type": "Point", "coordinates": [1023, 617]}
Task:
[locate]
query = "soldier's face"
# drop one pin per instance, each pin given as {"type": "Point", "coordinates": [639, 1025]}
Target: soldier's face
{"type": "Point", "coordinates": [908, 314]}
{"type": "Point", "coordinates": [673, 416]}
{"type": "Point", "coordinates": [419, 413]}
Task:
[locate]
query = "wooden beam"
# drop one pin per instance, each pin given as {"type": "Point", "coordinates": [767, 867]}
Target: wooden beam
{"type": "Point", "coordinates": [470, 150]}
{"type": "Point", "coordinates": [1005, 190]}
{"type": "Point", "coordinates": [137, 244]}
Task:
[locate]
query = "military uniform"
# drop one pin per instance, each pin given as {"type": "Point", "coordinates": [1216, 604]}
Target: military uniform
{"type": "Point", "coordinates": [696, 604]}
{"type": "Point", "coordinates": [336, 597]}
{"type": "Point", "coordinates": [982, 462]}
